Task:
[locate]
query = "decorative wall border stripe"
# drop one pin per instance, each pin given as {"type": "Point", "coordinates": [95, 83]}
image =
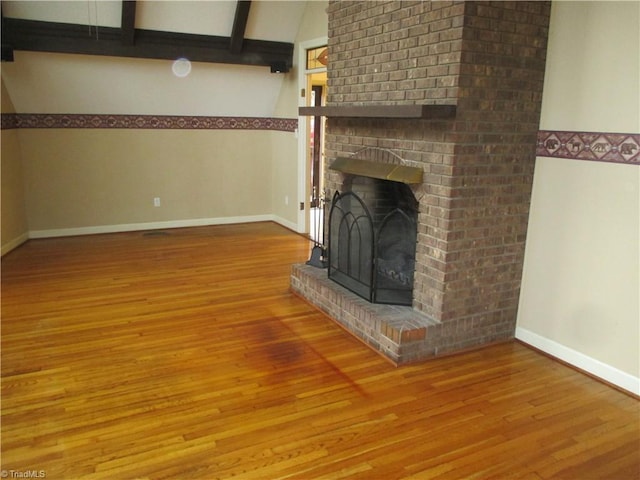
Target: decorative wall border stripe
{"type": "Point", "coordinates": [156, 122]}
{"type": "Point", "coordinates": [8, 121]}
{"type": "Point", "coordinates": [594, 146]}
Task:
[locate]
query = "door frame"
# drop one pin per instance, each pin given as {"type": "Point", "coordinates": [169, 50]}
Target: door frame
{"type": "Point", "coordinates": [304, 174]}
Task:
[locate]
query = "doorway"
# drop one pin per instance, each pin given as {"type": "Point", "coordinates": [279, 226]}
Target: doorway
{"type": "Point", "coordinates": [316, 86]}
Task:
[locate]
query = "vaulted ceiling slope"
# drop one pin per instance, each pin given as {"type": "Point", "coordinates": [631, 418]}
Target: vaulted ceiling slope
{"type": "Point", "coordinates": [240, 32]}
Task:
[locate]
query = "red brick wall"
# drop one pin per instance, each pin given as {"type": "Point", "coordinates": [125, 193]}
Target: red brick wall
{"type": "Point", "coordinates": [394, 52]}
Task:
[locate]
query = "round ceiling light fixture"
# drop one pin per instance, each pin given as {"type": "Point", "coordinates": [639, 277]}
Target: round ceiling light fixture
{"type": "Point", "coordinates": [181, 67]}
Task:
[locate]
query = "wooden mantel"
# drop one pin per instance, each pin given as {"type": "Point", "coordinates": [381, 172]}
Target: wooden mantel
{"type": "Point", "coordinates": [382, 111]}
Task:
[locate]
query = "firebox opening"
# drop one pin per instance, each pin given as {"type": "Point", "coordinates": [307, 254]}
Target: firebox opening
{"type": "Point", "coordinates": [372, 240]}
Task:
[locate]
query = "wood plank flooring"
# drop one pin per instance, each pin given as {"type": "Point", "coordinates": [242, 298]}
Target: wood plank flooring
{"type": "Point", "coordinates": [183, 355]}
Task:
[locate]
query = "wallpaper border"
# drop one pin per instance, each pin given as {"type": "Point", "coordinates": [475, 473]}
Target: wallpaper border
{"type": "Point", "coordinates": [155, 122]}
{"type": "Point", "coordinates": [574, 145]}
{"type": "Point", "coordinates": [592, 146]}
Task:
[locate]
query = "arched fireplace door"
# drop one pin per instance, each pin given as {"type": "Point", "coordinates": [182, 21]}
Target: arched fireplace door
{"type": "Point", "coordinates": [372, 244]}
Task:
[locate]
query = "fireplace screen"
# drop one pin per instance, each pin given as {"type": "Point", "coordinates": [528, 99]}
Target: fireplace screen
{"type": "Point", "coordinates": [372, 243]}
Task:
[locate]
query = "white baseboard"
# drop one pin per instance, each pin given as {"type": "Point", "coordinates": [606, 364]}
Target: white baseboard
{"type": "Point", "coordinates": [11, 244]}
{"type": "Point", "coordinates": [579, 360]}
{"type": "Point", "coordinates": [132, 227]}
{"type": "Point", "coordinates": [286, 223]}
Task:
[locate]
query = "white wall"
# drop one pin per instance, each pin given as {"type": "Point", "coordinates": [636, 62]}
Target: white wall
{"type": "Point", "coordinates": [94, 180]}
{"type": "Point", "coordinates": [64, 83]}
{"type": "Point", "coordinates": [14, 229]}
{"type": "Point", "coordinates": [580, 298]}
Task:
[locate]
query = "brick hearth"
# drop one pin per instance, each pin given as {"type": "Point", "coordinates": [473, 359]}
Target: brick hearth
{"type": "Point", "coordinates": [402, 334]}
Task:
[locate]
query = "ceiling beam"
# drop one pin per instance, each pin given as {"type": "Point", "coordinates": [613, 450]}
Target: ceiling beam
{"type": "Point", "coordinates": [6, 54]}
{"type": "Point", "coordinates": [128, 22]}
{"type": "Point", "coordinates": [32, 35]}
{"type": "Point", "coordinates": [239, 25]}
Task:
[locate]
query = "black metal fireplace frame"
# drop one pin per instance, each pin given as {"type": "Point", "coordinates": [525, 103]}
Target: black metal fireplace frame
{"type": "Point", "coordinates": [342, 267]}
{"type": "Point", "coordinates": [362, 275]}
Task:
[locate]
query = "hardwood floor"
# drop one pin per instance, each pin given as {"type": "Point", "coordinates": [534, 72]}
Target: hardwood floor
{"type": "Point", "coordinates": [184, 356]}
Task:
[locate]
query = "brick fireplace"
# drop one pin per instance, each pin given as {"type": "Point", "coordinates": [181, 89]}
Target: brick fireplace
{"type": "Point", "coordinates": [453, 89]}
